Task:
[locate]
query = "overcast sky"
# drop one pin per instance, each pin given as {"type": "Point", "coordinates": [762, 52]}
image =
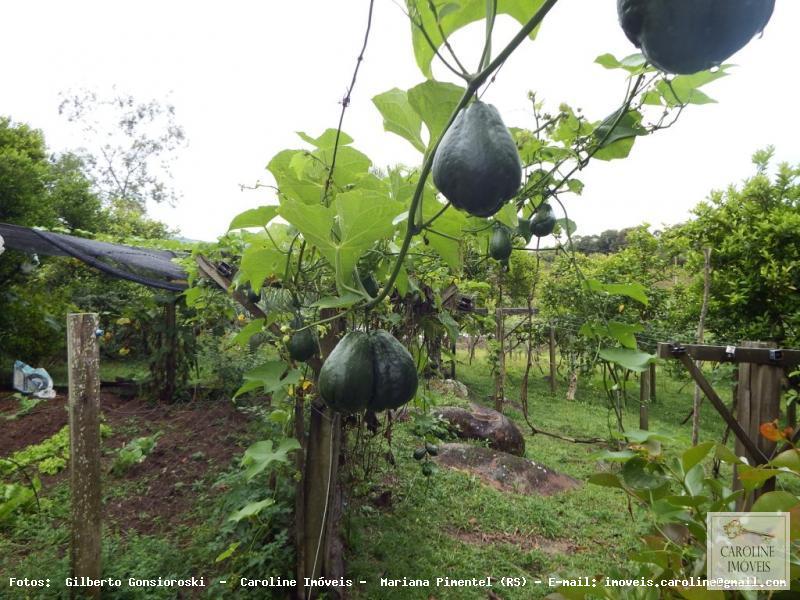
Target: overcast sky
{"type": "Point", "coordinates": [245, 75]}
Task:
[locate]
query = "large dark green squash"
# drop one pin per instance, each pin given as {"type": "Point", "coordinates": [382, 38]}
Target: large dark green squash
{"type": "Point", "coordinates": [686, 36]}
{"type": "Point", "coordinates": [368, 371]}
{"type": "Point", "coordinates": [477, 166]}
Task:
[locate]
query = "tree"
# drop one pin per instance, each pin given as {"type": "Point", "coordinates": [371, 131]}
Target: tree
{"type": "Point", "coordinates": [130, 145]}
{"type": "Point", "coordinates": [752, 231]}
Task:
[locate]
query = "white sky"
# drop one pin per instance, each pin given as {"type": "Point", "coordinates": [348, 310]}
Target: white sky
{"type": "Point", "coordinates": [245, 75]}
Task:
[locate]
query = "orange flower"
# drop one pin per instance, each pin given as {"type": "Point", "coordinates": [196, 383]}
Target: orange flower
{"type": "Point", "coordinates": [772, 433]}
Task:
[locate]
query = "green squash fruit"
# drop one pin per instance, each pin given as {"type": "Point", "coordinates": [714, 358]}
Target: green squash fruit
{"type": "Point", "coordinates": [500, 244]}
{"type": "Point", "coordinates": [302, 345]}
{"type": "Point", "coordinates": [370, 285]}
{"type": "Point", "coordinates": [477, 166]}
{"type": "Point", "coordinates": [432, 449]}
{"type": "Point", "coordinates": [368, 371]}
{"type": "Point", "coordinates": [420, 453]}
{"type": "Point", "coordinates": [543, 222]}
{"type": "Point", "coordinates": [427, 469]}
{"type": "Point", "coordinates": [395, 372]}
{"type": "Point", "coordinates": [346, 378]}
{"type": "Point", "coordinates": [686, 36]}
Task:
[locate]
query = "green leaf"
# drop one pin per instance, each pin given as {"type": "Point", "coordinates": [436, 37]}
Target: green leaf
{"type": "Point", "coordinates": [327, 140]}
{"type": "Point", "coordinates": [453, 15]}
{"type": "Point", "coordinates": [624, 333]}
{"type": "Point", "coordinates": [255, 217]}
{"type": "Point", "coordinates": [272, 376]}
{"type": "Point", "coordinates": [617, 142]}
{"type": "Point", "coordinates": [508, 216]}
{"type": "Point", "coordinates": [683, 88]}
{"type": "Point", "coordinates": [616, 456]}
{"type": "Point", "coordinates": [434, 102]}
{"type": "Point", "coordinates": [636, 474]}
{"type": "Point", "coordinates": [263, 454]}
{"type": "Point", "coordinates": [251, 510]}
{"type": "Point", "coordinates": [568, 226]}
{"type": "Point", "coordinates": [754, 477]}
{"type": "Point", "coordinates": [725, 454]}
{"type": "Point", "coordinates": [245, 333]}
{"type": "Point", "coordinates": [228, 552]}
{"type": "Point", "coordinates": [632, 360]}
{"type": "Point", "coordinates": [343, 301]}
{"type": "Point", "coordinates": [258, 263]}
{"type": "Point", "coordinates": [451, 223]}
{"type": "Point", "coordinates": [789, 459]}
{"type": "Point", "coordinates": [606, 480]}
{"type": "Point", "coordinates": [694, 455]}
{"type": "Point", "coordinates": [305, 190]}
{"type": "Point", "coordinates": [399, 117]}
{"type": "Point", "coordinates": [779, 501]}
{"type": "Point", "coordinates": [635, 291]}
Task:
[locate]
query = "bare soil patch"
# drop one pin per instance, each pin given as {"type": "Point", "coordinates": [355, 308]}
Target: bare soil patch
{"type": "Point", "coordinates": [159, 493]}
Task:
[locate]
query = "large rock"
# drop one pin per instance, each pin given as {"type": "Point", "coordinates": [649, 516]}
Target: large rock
{"type": "Point", "coordinates": [450, 387]}
{"type": "Point", "coordinates": [481, 423]}
{"type": "Point", "coordinates": [503, 471]}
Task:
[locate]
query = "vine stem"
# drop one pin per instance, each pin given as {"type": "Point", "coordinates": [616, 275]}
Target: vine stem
{"type": "Point", "coordinates": [346, 102]}
{"type": "Point", "coordinates": [474, 83]}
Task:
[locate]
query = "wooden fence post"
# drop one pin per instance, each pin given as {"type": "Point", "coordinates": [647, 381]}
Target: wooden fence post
{"type": "Point", "coordinates": [84, 443]}
{"type": "Point", "coordinates": [652, 382]}
{"type": "Point", "coordinates": [552, 359]}
{"type": "Point", "coordinates": [499, 377]}
{"type": "Point", "coordinates": [644, 399]}
{"type": "Point", "coordinates": [758, 401]}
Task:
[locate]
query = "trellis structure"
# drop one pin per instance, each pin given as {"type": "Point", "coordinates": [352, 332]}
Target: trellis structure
{"type": "Point", "coordinates": [758, 395]}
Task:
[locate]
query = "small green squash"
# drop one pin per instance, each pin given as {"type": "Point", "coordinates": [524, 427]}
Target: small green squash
{"type": "Point", "coordinates": [500, 244]}
{"type": "Point", "coordinates": [303, 344]}
{"type": "Point", "coordinates": [544, 221]}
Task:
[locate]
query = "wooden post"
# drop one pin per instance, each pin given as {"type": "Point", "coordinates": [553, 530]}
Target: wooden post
{"type": "Point", "coordinates": [652, 382]}
{"type": "Point", "coordinates": [701, 330]}
{"type": "Point", "coordinates": [168, 387]}
{"type": "Point", "coordinates": [644, 398]}
{"type": "Point", "coordinates": [84, 443]}
{"type": "Point", "coordinates": [499, 377]}
{"type": "Point", "coordinates": [552, 359]}
{"type": "Point", "coordinates": [759, 399]}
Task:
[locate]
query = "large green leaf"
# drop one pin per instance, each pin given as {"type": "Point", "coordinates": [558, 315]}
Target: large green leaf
{"type": "Point", "coordinates": [779, 501]}
{"type": "Point", "coordinates": [434, 102]}
{"type": "Point", "coordinates": [272, 377]}
{"type": "Point", "coordinates": [683, 89]}
{"type": "Point", "coordinates": [451, 224]}
{"type": "Point", "coordinates": [364, 218]}
{"type": "Point", "coordinates": [263, 454]}
{"type": "Point", "coordinates": [632, 360]}
{"type": "Point", "coordinates": [251, 510]}
{"type": "Point", "coordinates": [453, 15]}
{"type": "Point", "coordinates": [633, 290]}
{"type": "Point", "coordinates": [617, 135]}
{"type": "Point", "coordinates": [399, 117]}
{"type": "Point", "coordinates": [258, 263]}
{"type": "Point", "coordinates": [255, 217]}
{"type": "Point", "coordinates": [290, 185]}
{"type": "Point", "coordinates": [694, 455]}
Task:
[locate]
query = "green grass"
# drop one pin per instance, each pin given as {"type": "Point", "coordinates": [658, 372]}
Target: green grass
{"type": "Point", "coordinates": [579, 533]}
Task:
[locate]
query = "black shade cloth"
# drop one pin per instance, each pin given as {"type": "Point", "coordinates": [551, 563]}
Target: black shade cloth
{"type": "Point", "coordinates": [150, 267]}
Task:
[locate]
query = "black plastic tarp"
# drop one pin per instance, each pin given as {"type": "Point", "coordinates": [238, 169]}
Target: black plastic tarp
{"type": "Point", "coordinates": [147, 266]}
